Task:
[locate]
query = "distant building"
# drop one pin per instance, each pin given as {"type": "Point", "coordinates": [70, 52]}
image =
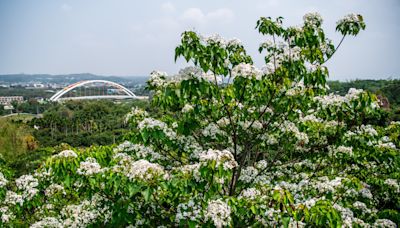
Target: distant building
{"type": "Point", "coordinates": [8, 100]}
{"type": "Point", "coordinates": [8, 107]}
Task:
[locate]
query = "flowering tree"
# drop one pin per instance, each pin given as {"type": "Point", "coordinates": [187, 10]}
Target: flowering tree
{"type": "Point", "coordinates": [236, 146]}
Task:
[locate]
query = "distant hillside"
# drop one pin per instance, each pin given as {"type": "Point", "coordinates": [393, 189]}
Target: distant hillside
{"type": "Point", "coordinates": [67, 79]}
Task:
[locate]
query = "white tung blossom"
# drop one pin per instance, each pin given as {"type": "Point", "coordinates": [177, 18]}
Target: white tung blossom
{"type": "Point", "coordinates": [89, 167]}
{"type": "Point", "coordinates": [142, 170]}
{"type": "Point", "coordinates": [157, 78]}
{"type": "Point", "coordinates": [247, 71]}
{"type": "Point", "coordinates": [349, 19]}
{"type": "Point", "coordinates": [13, 198]}
{"type": "Point", "coordinates": [312, 19]}
{"type": "Point", "coordinates": [3, 180]}
{"type": "Point", "coordinates": [135, 112]}
{"type": "Point", "coordinates": [250, 193]}
{"type": "Point", "coordinates": [28, 184]}
{"type": "Point", "coordinates": [85, 213]}
{"type": "Point", "coordinates": [219, 213]}
{"type": "Point", "coordinates": [212, 130]}
{"type": "Point", "coordinates": [224, 158]}
{"type": "Point", "coordinates": [384, 223]}
{"type": "Point", "coordinates": [53, 189]}
{"type": "Point", "coordinates": [66, 154]}
{"type": "Point", "coordinates": [393, 184]}
{"type": "Point", "coordinates": [6, 215]}
{"type": "Point", "coordinates": [188, 211]}
{"type": "Point", "coordinates": [337, 100]}
{"type": "Point", "coordinates": [48, 222]}
{"type": "Point", "coordinates": [187, 108]}
{"type": "Point", "coordinates": [150, 123]}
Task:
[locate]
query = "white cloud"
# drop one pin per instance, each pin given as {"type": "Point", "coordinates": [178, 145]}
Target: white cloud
{"type": "Point", "coordinates": [65, 7]}
{"type": "Point", "coordinates": [194, 15]}
{"type": "Point", "coordinates": [168, 7]}
{"type": "Point", "coordinates": [221, 15]}
{"type": "Point", "coordinates": [198, 17]}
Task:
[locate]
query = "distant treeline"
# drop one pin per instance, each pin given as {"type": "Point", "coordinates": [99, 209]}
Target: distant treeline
{"type": "Point", "coordinates": [67, 78]}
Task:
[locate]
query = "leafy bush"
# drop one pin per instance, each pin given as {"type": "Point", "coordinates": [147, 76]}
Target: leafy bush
{"type": "Point", "coordinates": [236, 146]}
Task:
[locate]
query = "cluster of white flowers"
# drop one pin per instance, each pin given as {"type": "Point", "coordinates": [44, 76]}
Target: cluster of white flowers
{"type": "Point", "coordinates": [219, 212]}
{"type": "Point", "coordinates": [209, 76]}
{"type": "Point", "coordinates": [291, 127]}
{"type": "Point", "coordinates": [393, 184]}
{"type": "Point", "coordinates": [142, 152]}
{"type": "Point", "coordinates": [66, 154]}
{"type": "Point", "coordinates": [212, 130]}
{"type": "Point", "coordinates": [3, 180]}
{"type": "Point", "coordinates": [282, 51]}
{"type": "Point", "coordinates": [384, 223]}
{"type": "Point", "coordinates": [268, 68]}
{"type": "Point", "coordinates": [256, 125]}
{"type": "Point", "coordinates": [362, 207]}
{"type": "Point", "coordinates": [248, 174]}
{"type": "Point", "coordinates": [135, 112]}
{"type": "Point", "coordinates": [53, 189]}
{"type": "Point", "coordinates": [13, 198]}
{"type": "Point", "coordinates": [367, 129]}
{"type": "Point", "coordinates": [188, 211]}
{"type": "Point", "coordinates": [312, 19]}
{"type": "Point", "coordinates": [388, 145]}
{"type": "Point", "coordinates": [214, 39]}
{"type": "Point", "coordinates": [268, 44]}
{"type": "Point", "coordinates": [249, 193]}
{"type": "Point", "coordinates": [343, 150]}
{"type": "Point", "coordinates": [85, 213]}
{"type": "Point", "coordinates": [6, 215]}
{"type": "Point", "coordinates": [337, 100]}
{"type": "Point", "coordinates": [235, 42]}
{"type": "Point", "coordinates": [187, 108]}
{"type": "Point", "coordinates": [326, 47]}
{"type": "Point", "coordinates": [325, 185]}
{"type": "Point", "coordinates": [28, 184]}
{"type": "Point", "coordinates": [346, 214]}
{"type": "Point", "coordinates": [89, 167]}
{"type": "Point", "coordinates": [217, 39]}
{"type": "Point", "coordinates": [366, 193]}
{"type": "Point", "coordinates": [247, 71]}
{"type": "Point", "coordinates": [150, 123]}
{"type": "Point", "coordinates": [221, 157]}
{"type": "Point", "coordinates": [157, 78]}
{"type": "Point", "coordinates": [223, 122]}
{"type": "Point", "coordinates": [349, 19]}
{"type": "Point", "coordinates": [141, 169]}
{"type": "Point", "coordinates": [49, 222]}
{"type": "Point", "coordinates": [353, 93]}
{"type": "Point", "coordinates": [193, 169]}
{"type": "Point", "coordinates": [310, 118]}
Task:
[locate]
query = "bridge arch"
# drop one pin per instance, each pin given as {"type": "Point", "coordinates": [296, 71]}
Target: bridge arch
{"type": "Point", "coordinates": [128, 94]}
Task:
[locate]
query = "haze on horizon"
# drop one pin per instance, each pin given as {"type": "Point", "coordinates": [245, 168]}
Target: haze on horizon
{"type": "Point", "coordinates": [135, 37]}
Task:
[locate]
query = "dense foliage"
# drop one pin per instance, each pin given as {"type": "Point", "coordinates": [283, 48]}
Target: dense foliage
{"type": "Point", "coordinates": [83, 123]}
{"type": "Point", "coordinates": [236, 146]}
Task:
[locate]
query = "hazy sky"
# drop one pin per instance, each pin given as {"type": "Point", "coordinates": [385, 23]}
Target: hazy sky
{"type": "Point", "coordinates": [132, 37]}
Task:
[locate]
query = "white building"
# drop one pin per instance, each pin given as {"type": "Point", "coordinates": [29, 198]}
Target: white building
{"type": "Point", "coordinates": [8, 100]}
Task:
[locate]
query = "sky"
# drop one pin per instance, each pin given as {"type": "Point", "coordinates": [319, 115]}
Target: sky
{"type": "Point", "coordinates": [134, 37]}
